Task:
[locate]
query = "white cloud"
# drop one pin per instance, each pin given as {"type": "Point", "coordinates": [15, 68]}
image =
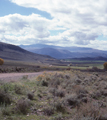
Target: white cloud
{"type": "Point", "coordinates": [82, 20]}
{"type": "Point", "coordinates": [101, 45]}
{"type": "Point", "coordinates": [18, 28]}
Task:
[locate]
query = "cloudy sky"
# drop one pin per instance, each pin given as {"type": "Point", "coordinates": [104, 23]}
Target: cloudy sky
{"type": "Point", "coordinates": [55, 22]}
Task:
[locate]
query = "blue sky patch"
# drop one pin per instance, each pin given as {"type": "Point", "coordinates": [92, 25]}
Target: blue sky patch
{"type": "Point", "coordinates": [101, 37]}
{"type": "Point", "coordinates": [11, 8]}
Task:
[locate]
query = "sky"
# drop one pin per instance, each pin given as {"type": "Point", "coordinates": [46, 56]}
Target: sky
{"type": "Point", "coordinates": [55, 22]}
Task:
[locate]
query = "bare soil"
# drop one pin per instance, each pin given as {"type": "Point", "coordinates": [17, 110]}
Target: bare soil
{"type": "Point", "coordinates": [8, 77]}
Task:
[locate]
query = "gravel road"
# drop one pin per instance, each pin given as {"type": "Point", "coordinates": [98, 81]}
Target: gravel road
{"type": "Point", "coordinates": [7, 77]}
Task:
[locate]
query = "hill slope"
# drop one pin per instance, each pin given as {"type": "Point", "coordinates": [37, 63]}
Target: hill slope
{"type": "Point", "coordinates": [12, 52]}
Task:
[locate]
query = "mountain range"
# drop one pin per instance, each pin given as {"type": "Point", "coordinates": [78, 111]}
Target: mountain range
{"type": "Point", "coordinates": [13, 52]}
{"type": "Point", "coordinates": [59, 52]}
{"type": "Point", "coordinates": [48, 53]}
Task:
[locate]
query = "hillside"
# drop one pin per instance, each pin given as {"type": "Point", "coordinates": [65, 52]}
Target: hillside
{"type": "Point", "coordinates": [12, 52]}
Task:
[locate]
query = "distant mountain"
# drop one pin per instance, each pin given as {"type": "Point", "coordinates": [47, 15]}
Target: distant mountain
{"type": "Point", "coordinates": [12, 52]}
{"type": "Point", "coordinates": [65, 52]}
{"type": "Point", "coordinates": [33, 46]}
{"type": "Point", "coordinates": [55, 53]}
{"type": "Point", "coordinates": [91, 59]}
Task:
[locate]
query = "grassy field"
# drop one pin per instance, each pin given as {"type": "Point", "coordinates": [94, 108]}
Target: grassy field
{"type": "Point", "coordinates": [68, 95]}
{"type": "Point", "coordinates": [82, 65]}
{"type": "Point", "coordinates": [20, 66]}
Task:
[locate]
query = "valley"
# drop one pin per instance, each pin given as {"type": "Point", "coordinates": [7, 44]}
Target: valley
{"type": "Point", "coordinates": [37, 87]}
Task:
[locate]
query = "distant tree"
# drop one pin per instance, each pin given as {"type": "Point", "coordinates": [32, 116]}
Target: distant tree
{"type": "Point", "coordinates": [1, 61]}
{"type": "Point", "coordinates": [105, 65]}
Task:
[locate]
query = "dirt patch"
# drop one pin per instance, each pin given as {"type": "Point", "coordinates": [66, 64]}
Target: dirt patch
{"type": "Point", "coordinates": [7, 77]}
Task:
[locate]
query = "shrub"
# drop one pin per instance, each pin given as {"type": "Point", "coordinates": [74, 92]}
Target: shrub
{"type": "Point", "coordinates": [5, 98]}
{"type": "Point", "coordinates": [52, 90]}
{"type": "Point", "coordinates": [57, 92]}
{"type": "Point", "coordinates": [23, 106]}
{"type": "Point", "coordinates": [48, 111]}
{"type": "Point", "coordinates": [55, 82]}
{"type": "Point", "coordinates": [89, 111]}
{"type": "Point", "coordinates": [18, 89]}
{"type": "Point", "coordinates": [44, 83]}
{"type": "Point", "coordinates": [58, 117]}
{"type": "Point", "coordinates": [1, 61]}
{"type": "Point", "coordinates": [105, 65]}
{"type": "Point", "coordinates": [71, 100]}
{"type": "Point", "coordinates": [30, 95]}
{"type": "Point", "coordinates": [60, 93]}
{"type": "Point", "coordinates": [7, 87]}
{"type": "Point", "coordinates": [6, 111]}
{"type": "Point", "coordinates": [59, 106]}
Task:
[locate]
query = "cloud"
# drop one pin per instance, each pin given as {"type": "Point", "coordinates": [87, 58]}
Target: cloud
{"type": "Point", "coordinates": [101, 45]}
{"type": "Point", "coordinates": [82, 22]}
{"type": "Point", "coordinates": [21, 28]}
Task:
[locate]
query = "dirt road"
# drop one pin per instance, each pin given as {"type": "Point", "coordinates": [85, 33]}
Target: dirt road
{"type": "Point", "coordinates": [7, 77]}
